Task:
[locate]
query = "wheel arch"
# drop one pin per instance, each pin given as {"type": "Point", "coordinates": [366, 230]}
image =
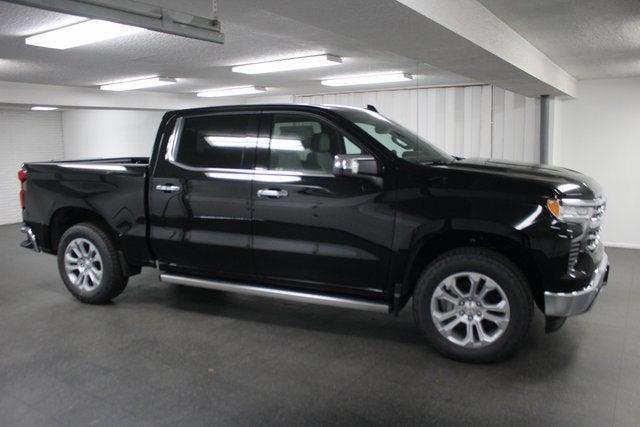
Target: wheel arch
{"type": "Point", "coordinates": [427, 249]}
{"type": "Point", "coordinates": [66, 217]}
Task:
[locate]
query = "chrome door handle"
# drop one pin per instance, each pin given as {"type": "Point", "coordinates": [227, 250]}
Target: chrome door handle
{"type": "Point", "coordinates": [168, 188]}
{"type": "Point", "coordinates": [268, 192]}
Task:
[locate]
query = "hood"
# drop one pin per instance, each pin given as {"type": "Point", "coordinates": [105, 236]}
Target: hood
{"type": "Point", "coordinates": [565, 182]}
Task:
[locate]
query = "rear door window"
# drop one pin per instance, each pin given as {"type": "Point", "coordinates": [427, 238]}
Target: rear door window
{"type": "Point", "coordinates": [218, 141]}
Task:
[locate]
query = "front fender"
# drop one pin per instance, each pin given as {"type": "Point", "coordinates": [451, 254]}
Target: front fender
{"type": "Point", "coordinates": [519, 230]}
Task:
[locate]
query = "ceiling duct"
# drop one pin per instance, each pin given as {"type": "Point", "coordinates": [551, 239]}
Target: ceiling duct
{"type": "Point", "coordinates": [138, 14]}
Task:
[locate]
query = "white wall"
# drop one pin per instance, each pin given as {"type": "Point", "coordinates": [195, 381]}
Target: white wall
{"type": "Point", "coordinates": [109, 133]}
{"type": "Point", "coordinates": [458, 119]}
{"type": "Point", "coordinates": [25, 136]}
{"type": "Point", "coordinates": [600, 136]}
{"type": "Point", "coordinates": [273, 99]}
{"type": "Point", "coordinates": [516, 127]}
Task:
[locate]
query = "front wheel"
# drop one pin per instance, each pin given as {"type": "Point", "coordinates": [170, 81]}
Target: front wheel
{"type": "Point", "coordinates": [473, 305]}
{"type": "Point", "coordinates": [89, 265]}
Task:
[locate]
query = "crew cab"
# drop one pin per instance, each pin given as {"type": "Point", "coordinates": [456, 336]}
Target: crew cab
{"type": "Point", "coordinates": [330, 205]}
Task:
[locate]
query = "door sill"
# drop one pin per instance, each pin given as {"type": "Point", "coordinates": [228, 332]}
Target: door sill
{"type": "Point", "coordinates": [276, 293]}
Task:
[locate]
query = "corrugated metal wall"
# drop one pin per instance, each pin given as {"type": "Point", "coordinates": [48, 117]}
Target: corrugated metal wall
{"type": "Point", "coordinates": [516, 126]}
{"type": "Point", "coordinates": [25, 136]}
{"type": "Point", "coordinates": [458, 119]}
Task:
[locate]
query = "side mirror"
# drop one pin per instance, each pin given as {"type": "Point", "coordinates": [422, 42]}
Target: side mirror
{"type": "Point", "coordinates": [355, 164]}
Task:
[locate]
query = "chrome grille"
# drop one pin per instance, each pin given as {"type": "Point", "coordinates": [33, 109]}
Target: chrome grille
{"type": "Point", "coordinates": [574, 251]}
{"type": "Point", "coordinates": [590, 239]}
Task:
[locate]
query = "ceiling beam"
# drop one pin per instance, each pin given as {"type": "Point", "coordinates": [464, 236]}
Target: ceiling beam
{"type": "Point", "coordinates": [470, 20]}
{"type": "Point", "coordinates": [458, 36]}
{"type": "Point", "coordinates": [83, 97]}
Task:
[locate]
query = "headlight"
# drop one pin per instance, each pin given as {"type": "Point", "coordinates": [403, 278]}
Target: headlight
{"type": "Point", "coordinates": [571, 210]}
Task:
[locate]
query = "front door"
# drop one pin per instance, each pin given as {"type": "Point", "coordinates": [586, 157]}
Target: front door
{"type": "Point", "coordinates": [200, 195]}
{"type": "Point", "coordinates": [313, 229]}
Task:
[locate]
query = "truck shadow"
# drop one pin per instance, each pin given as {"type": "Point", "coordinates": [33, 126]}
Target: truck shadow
{"type": "Point", "coordinates": [541, 359]}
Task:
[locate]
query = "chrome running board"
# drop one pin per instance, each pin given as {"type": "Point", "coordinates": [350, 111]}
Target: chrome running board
{"type": "Point", "coordinates": [277, 293]}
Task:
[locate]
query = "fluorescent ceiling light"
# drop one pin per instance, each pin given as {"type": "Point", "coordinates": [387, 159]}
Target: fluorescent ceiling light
{"type": "Point", "coordinates": [288, 64]}
{"type": "Point", "coordinates": [231, 91]}
{"type": "Point", "coordinates": [43, 108]}
{"type": "Point", "coordinates": [248, 142]}
{"type": "Point", "coordinates": [286, 144]}
{"type": "Point", "coordinates": [368, 79]}
{"type": "Point", "coordinates": [230, 141]}
{"type": "Point", "coordinates": [139, 83]}
{"type": "Point", "coordinates": [85, 32]}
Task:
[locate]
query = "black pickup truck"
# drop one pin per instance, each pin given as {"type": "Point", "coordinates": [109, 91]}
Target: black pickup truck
{"type": "Point", "coordinates": [328, 205]}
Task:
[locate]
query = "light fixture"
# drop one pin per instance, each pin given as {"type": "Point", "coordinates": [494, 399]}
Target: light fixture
{"type": "Point", "coordinates": [43, 108]}
{"type": "Point", "coordinates": [85, 32]}
{"type": "Point", "coordinates": [247, 142]}
{"type": "Point", "coordinates": [139, 83]}
{"type": "Point", "coordinates": [368, 79]}
{"type": "Point", "coordinates": [288, 64]}
{"type": "Point", "coordinates": [231, 91]}
{"type": "Point", "coordinates": [230, 141]}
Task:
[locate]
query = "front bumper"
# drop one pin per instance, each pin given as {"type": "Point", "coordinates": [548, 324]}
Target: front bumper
{"type": "Point", "coordinates": [565, 304]}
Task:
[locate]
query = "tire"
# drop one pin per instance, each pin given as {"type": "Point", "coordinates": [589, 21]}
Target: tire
{"type": "Point", "coordinates": [503, 325]}
{"type": "Point", "coordinates": [91, 279]}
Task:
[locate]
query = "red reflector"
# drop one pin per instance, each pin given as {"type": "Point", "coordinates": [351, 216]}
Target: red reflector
{"type": "Point", "coordinates": [22, 175]}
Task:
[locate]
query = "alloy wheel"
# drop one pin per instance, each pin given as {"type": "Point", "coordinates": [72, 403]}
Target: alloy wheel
{"type": "Point", "coordinates": [83, 264]}
{"type": "Point", "coordinates": [470, 309]}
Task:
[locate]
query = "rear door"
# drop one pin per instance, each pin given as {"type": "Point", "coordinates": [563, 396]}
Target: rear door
{"type": "Point", "coordinates": [313, 229]}
{"type": "Point", "coordinates": [200, 195]}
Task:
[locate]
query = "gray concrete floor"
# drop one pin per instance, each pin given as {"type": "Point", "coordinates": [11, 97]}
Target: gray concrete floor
{"type": "Point", "coordinates": [166, 355]}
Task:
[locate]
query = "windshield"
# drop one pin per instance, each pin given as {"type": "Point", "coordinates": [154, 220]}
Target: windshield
{"type": "Point", "coordinates": [399, 140]}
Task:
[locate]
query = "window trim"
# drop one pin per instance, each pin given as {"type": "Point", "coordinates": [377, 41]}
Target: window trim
{"type": "Point", "coordinates": [173, 144]}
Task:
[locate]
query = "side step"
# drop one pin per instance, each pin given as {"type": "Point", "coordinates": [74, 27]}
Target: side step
{"type": "Point", "coordinates": [277, 293]}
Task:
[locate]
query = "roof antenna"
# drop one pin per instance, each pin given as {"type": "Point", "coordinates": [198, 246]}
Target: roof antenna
{"type": "Point", "coordinates": [372, 108]}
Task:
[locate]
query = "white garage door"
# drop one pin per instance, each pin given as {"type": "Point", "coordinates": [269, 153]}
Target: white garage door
{"type": "Point", "coordinates": [25, 136]}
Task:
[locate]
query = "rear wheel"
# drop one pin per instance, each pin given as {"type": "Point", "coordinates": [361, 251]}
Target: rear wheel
{"type": "Point", "coordinates": [473, 305]}
{"type": "Point", "coordinates": [89, 265]}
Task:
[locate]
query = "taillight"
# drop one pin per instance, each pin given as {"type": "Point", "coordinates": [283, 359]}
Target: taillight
{"type": "Point", "coordinates": [22, 176]}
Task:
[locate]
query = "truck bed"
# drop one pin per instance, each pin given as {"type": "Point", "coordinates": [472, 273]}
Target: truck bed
{"type": "Point", "coordinates": [114, 188]}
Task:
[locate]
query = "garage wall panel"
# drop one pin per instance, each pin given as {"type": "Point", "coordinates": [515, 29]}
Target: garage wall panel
{"type": "Point", "coordinates": [25, 136]}
{"type": "Point", "coordinates": [458, 119]}
{"type": "Point", "coordinates": [516, 127]}
{"type": "Point", "coordinates": [109, 133]}
{"type": "Point", "coordinates": [450, 117]}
